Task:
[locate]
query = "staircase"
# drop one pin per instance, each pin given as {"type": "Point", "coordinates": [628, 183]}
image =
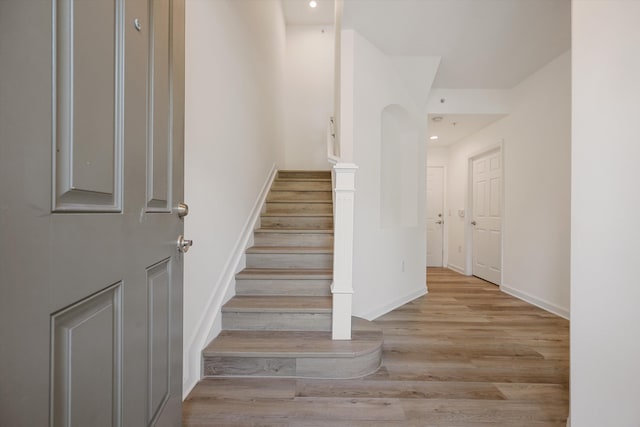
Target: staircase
{"type": "Point", "coordinates": [279, 322]}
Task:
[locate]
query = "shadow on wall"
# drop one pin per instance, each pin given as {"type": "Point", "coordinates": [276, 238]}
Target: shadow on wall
{"type": "Point", "coordinates": [398, 169]}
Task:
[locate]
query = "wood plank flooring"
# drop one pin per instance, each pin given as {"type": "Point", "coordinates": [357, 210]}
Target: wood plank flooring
{"type": "Point", "coordinates": [463, 355]}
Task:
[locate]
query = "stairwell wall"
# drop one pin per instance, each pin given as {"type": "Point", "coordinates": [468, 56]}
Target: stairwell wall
{"type": "Point", "coordinates": [308, 95]}
{"type": "Point", "coordinates": [235, 54]}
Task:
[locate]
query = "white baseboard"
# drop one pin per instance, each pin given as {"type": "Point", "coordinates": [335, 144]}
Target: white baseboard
{"type": "Point", "coordinates": [538, 302]}
{"type": "Point", "coordinates": [456, 268]}
{"type": "Point", "coordinates": [209, 325]}
{"type": "Point", "coordinates": [379, 311]}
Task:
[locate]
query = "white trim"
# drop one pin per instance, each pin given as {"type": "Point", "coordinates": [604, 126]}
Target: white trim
{"type": "Point", "coordinates": [456, 268]}
{"type": "Point", "coordinates": [342, 286]}
{"type": "Point", "coordinates": [538, 302]}
{"type": "Point", "coordinates": [374, 314]}
{"type": "Point", "coordinates": [486, 150]}
{"type": "Point", "coordinates": [208, 326]}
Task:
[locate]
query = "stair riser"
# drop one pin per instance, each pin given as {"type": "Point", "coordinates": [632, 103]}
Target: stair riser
{"type": "Point", "coordinates": [301, 185]}
{"type": "Point", "coordinates": [233, 320]}
{"type": "Point", "coordinates": [283, 287]}
{"type": "Point", "coordinates": [249, 366]}
{"type": "Point", "coordinates": [320, 240]}
{"type": "Point", "coordinates": [299, 208]}
{"type": "Point", "coordinates": [289, 261]}
{"type": "Point", "coordinates": [304, 174]}
{"type": "Point", "coordinates": [311, 367]}
{"type": "Point", "coordinates": [297, 222]}
{"type": "Point", "coordinates": [300, 196]}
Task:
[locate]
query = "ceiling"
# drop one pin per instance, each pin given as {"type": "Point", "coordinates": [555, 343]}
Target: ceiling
{"type": "Point", "coordinates": [488, 44]}
{"type": "Point", "coordinates": [483, 44]}
{"type": "Point", "coordinates": [454, 127]}
{"type": "Point", "coordinates": [298, 12]}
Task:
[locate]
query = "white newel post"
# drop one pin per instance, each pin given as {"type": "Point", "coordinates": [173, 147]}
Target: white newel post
{"type": "Point", "coordinates": [342, 287]}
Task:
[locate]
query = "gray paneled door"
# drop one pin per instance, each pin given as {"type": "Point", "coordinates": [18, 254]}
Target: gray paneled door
{"type": "Point", "coordinates": [91, 172]}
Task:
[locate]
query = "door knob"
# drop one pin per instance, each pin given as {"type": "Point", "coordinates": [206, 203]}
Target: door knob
{"type": "Point", "coordinates": [184, 244]}
{"type": "Point", "coordinates": [438, 222]}
{"type": "Point", "coordinates": [473, 223]}
{"type": "Point", "coordinates": [183, 210]}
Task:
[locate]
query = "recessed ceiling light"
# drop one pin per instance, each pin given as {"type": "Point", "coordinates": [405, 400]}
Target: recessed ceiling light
{"type": "Point", "coordinates": [313, 3]}
{"type": "Point", "coordinates": [433, 137]}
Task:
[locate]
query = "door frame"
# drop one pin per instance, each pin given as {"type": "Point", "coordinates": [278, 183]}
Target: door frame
{"type": "Point", "coordinates": [468, 228]}
{"type": "Point", "coordinates": [446, 217]}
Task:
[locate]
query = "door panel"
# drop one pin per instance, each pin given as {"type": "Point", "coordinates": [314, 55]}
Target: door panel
{"type": "Point", "coordinates": [93, 82]}
{"type": "Point", "coordinates": [88, 113]}
{"type": "Point", "coordinates": [487, 208]}
{"type": "Point", "coordinates": [80, 362]}
{"type": "Point", "coordinates": [159, 337]}
{"type": "Point", "coordinates": [78, 350]}
{"type": "Point", "coordinates": [159, 107]}
{"type": "Point", "coordinates": [435, 216]}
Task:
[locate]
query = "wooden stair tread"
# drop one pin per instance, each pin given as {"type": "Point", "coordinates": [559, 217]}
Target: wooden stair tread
{"type": "Point", "coordinates": [299, 192]}
{"type": "Point", "coordinates": [284, 273]}
{"type": "Point", "coordinates": [303, 179]}
{"type": "Point", "coordinates": [295, 230]}
{"type": "Point", "coordinates": [302, 202]}
{"type": "Point", "coordinates": [305, 171]}
{"type": "Point", "coordinates": [306, 214]}
{"type": "Point", "coordinates": [279, 304]}
{"type": "Point", "coordinates": [289, 250]}
{"type": "Point", "coordinates": [291, 344]}
{"type": "Point", "coordinates": [299, 186]}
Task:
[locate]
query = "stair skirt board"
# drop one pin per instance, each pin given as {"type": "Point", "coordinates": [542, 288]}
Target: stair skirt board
{"type": "Point", "coordinates": [279, 322]}
{"type": "Point", "coordinates": [208, 324]}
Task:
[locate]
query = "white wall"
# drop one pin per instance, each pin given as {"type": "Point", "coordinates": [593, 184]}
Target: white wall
{"type": "Point", "coordinates": [234, 67]}
{"type": "Point", "coordinates": [536, 222]}
{"type": "Point", "coordinates": [605, 285]}
{"type": "Point", "coordinates": [382, 253]}
{"type": "Point", "coordinates": [308, 95]}
{"type": "Point", "coordinates": [469, 101]}
{"type": "Point", "coordinates": [437, 156]}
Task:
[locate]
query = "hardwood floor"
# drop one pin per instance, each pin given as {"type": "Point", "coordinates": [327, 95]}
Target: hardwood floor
{"type": "Point", "coordinates": [463, 355]}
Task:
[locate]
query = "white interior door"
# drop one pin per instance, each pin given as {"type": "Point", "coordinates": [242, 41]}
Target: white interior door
{"type": "Point", "coordinates": [91, 171]}
{"type": "Point", "coordinates": [435, 215]}
{"type": "Point", "coordinates": [486, 220]}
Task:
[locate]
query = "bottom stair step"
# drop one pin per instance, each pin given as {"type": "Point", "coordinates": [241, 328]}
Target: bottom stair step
{"type": "Point", "coordinates": [308, 354]}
